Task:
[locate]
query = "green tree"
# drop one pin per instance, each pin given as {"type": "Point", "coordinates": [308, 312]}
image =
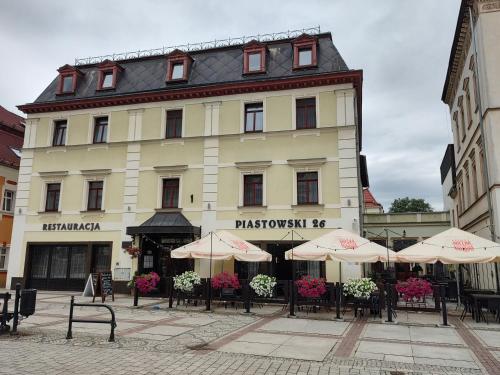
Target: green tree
{"type": "Point", "coordinates": [410, 205]}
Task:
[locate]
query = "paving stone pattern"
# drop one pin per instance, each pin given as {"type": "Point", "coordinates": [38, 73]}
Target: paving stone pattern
{"type": "Point", "coordinates": [186, 340]}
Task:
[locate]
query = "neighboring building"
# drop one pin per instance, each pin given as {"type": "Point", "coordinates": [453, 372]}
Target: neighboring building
{"type": "Point", "coordinates": [400, 230]}
{"type": "Point", "coordinates": [472, 93]}
{"type": "Point", "coordinates": [449, 182]}
{"type": "Point", "coordinates": [259, 139]}
{"type": "Point", "coordinates": [11, 141]}
{"type": "Point", "coordinates": [371, 206]}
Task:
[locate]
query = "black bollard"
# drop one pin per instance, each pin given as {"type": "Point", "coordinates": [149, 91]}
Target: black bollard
{"type": "Point", "coordinates": [444, 312]}
{"type": "Point", "coordinates": [15, 322]}
{"type": "Point", "coordinates": [69, 335]}
{"type": "Point", "coordinates": [292, 298]}
{"type": "Point", "coordinates": [247, 297]}
{"type": "Point", "coordinates": [171, 292]}
{"type": "Point", "coordinates": [388, 302]}
{"type": "Point", "coordinates": [136, 296]}
{"type": "Point", "coordinates": [338, 298]}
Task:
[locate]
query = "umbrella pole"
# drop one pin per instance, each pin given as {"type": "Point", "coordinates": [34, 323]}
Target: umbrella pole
{"type": "Point", "coordinates": [210, 276]}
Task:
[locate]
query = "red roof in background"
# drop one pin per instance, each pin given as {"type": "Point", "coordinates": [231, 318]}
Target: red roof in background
{"type": "Point", "coordinates": [369, 199]}
{"type": "Point", "coordinates": [11, 120]}
{"type": "Point", "coordinates": [11, 136]}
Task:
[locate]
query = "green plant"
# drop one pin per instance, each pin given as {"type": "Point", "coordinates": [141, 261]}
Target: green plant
{"type": "Point", "coordinates": [359, 288]}
{"type": "Point", "coordinates": [186, 281]}
{"type": "Point", "coordinates": [263, 285]}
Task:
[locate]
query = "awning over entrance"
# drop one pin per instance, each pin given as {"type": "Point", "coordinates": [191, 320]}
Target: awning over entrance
{"type": "Point", "coordinates": [165, 223]}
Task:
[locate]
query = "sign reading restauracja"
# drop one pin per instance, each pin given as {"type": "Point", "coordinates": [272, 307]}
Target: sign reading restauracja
{"type": "Point", "coordinates": [71, 226]}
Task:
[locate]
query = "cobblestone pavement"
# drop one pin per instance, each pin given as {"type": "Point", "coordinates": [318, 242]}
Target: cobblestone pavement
{"type": "Point", "coordinates": [155, 339]}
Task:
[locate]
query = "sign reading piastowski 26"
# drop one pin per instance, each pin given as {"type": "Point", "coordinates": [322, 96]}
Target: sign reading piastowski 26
{"type": "Point", "coordinates": [71, 226]}
{"type": "Point", "coordinates": [279, 223]}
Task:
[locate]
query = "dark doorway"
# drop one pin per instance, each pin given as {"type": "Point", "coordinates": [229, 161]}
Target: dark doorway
{"type": "Point", "coordinates": [403, 270]}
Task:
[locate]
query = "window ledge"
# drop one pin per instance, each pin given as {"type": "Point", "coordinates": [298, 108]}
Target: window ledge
{"type": "Point", "coordinates": [308, 207]}
{"type": "Point", "coordinates": [50, 213]}
{"type": "Point", "coordinates": [252, 136]}
{"type": "Point", "coordinates": [72, 93]}
{"type": "Point", "coordinates": [300, 67]}
{"type": "Point", "coordinates": [173, 141]}
{"type": "Point", "coordinates": [59, 148]}
{"type": "Point", "coordinates": [89, 213]}
{"type": "Point", "coordinates": [307, 131]}
{"type": "Point", "coordinates": [251, 209]}
{"type": "Point", "coordinates": [106, 89]}
{"type": "Point", "coordinates": [97, 146]}
{"type": "Point", "coordinates": [174, 209]}
{"type": "Point", "coordinates": [251, 73]}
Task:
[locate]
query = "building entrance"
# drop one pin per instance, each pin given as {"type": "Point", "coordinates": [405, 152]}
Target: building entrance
{"type": "Point", "coordinates": [65, 266]}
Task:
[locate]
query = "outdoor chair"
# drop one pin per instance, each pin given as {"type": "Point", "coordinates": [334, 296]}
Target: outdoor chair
{"type": "Point", "coordinates": [467, 302]}
{"type": "Point", "coordinates": [494, 310]}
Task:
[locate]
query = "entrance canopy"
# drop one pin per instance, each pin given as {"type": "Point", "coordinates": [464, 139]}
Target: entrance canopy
{"type": "Point", "coordinates": [165, 223]}
{"type": "Point", "coordinates": [341, 245]}
{"type": "Point", "coordinates": [222, 245]}
{"type": "Point", "coordinates": [453, 246]}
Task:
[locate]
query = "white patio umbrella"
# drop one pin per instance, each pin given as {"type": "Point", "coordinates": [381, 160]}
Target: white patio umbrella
{"type": "Point", "coordinates": [453, 246]}
{"type": "Point", "coordinates": [343, 246]}
{"type": "Point", "coordinates": [221, 245]}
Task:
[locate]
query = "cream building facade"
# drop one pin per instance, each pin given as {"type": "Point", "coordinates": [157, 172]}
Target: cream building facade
{"type": "Point", "coordinates": [472, 94]}
{"type": "Point", "coordinates": [270, 145]}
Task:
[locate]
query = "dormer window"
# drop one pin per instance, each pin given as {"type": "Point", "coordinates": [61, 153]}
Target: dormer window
{"type": "Point", "coordinates": [178, 70]}
{"type": "Point", "coordinates": [305, 52]}
{"type": "Point", "coordinates": [254, 57]}
{"type": "Point", "coordinates": [305, 56]}
{"type": "Point", "coordinates": [108, 75]}
{"type": "Point", "coordinates": [178, 64]}
{"type": "Point", "coordinates": [67, 85]}
{"type": "Point", "coordinates": [68, 76]}
{"type": "Point", "coordinates": [107, 80]}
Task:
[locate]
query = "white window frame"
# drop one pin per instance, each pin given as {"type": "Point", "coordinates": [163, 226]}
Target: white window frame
{"type": "Point", "coordinates": [86, 185]}
{"type": "Point", "coordinates": [159, 194]}
{"type": "Point", "coordinates": [294, 182]}
{"type": "Point", "coordinates": [242, 113]}
{"type": "Point", "coordinates": [163, 125]}
{"type": "Point", "coordinates": [294, 109]}
{"type": "Point", "coordinates": [247, 172]}
{"type": "Point", "coordinates": [43, 200]}
{"type": "Point", "coordinates": [52, 129]}
{"type": "Point", "coordinates": [6, 255]}
{"type": "Point", "coordinates": [90, 139]}
{"type": "Point", "coordinates": [12, 200]}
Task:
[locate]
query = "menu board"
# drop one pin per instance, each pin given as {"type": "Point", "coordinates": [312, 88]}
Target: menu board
{"type": "Point", "coordinates": [106, 286]}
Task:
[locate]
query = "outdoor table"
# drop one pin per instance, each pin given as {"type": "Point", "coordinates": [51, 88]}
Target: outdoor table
{"type": "Point", "coordinates": [482, 297]}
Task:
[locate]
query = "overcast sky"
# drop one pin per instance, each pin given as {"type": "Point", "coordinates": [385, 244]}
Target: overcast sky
{"type": "Point", "coordinates": [403, 47]}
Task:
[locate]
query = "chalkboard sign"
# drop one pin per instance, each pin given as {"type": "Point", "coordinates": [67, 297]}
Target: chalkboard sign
{"type": "Point", "coordinates": [106, 286]}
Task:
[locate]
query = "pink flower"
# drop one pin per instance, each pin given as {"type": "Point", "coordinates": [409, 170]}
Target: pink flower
{"type": "Point", "coordinates": [225, 280]}
{"type": "Point", "coordinates": [146, 283]}
{"type": "Point", "coordinates": [414, 289]}
{"type": "Point", "coordinates": [311, 287]}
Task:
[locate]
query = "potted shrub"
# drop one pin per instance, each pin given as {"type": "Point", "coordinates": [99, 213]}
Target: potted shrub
{"type": "Point", "coordinates": [310, 287]}
{"type": "Point", "coordinates": [145, 283]}
{"type": "Point", "coordinates": [226, 283]}
{"type": "Point", "coordinates": [186, 281]}
{"type": "Point", "coordinates": [263, 285]}
{"type": "Point", "coordinates": [414, 290]}
{"type": "Point", "coordinates": [359, 288]}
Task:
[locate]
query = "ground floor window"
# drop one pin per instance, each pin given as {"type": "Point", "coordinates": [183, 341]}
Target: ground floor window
{"type": "Point", "coordinates": [65, 266]}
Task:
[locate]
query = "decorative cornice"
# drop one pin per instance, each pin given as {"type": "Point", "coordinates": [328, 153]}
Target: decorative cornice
{"type": "Point", "coordinates": [353, 76]}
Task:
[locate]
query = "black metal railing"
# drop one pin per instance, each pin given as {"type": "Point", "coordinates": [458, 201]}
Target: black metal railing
{"type": "Point", "coordinates": [112, 321]}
